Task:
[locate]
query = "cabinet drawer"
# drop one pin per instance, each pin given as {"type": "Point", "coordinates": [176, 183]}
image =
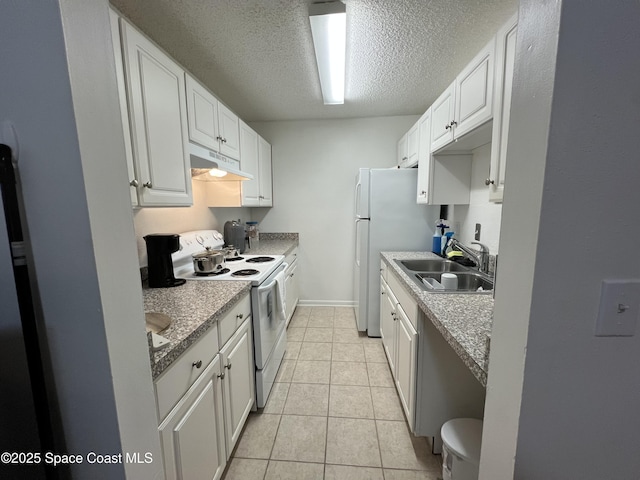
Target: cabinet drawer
{"type": "Point", "coordinates": [409, 305]}
{"type": "Point", "coordinates": [177, 379]}
{"type": "Point", "coordinates": [233, 319]}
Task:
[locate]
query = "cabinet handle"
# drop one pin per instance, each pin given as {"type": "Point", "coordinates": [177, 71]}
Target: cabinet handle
{"type": "Point", "coordinates": [197, 364]}
{"type": "Point", "coordinates": [488, 182]}
{"type": "Point", "coordinates": [224, 140]}
{"type": "Point", "coordinates": [447, 127]}
{"type": "Point", "coordinates": [147, 184]}
{"type": "Point", "coordinates": [240, 316]}
{"type": "Point", "coordinates": [219, 138]}
{"type": "Point", "coordinates": [292, 275]}
{"type": "Point", "coordinates": [221, 376]}
{"type": "Point", "coordinates": [453, 123]}
{"type": "Point", "coordinates": [134, 183]}
{"type": "Point", "coordinates": [381, 293]}
{"type": "Point", "coordinates": [423, 193]}
{"type": "Point", "coordinates": [228, 366]}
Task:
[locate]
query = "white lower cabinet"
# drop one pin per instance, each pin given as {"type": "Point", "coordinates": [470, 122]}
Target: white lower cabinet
{"type": "Point", "coordinates": [433, 383]}
{"type": "Point", "coordinates": [205, 396]}
{"type": "Point", "coordinates": [239, 386]}
{"type": "Point", "coordinates": [292, 283]}
{"type": "Point", "coordinates": [192, 436]}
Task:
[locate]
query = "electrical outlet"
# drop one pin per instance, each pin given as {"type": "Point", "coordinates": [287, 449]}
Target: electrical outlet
{"type": "Point", "coordinates": [477, 233]}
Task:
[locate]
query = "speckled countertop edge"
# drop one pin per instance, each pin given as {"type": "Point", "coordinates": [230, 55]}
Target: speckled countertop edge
{"type": "Point", "coordinates": [274, 244]}
{"type": "Point", "coordinates": [464, 320]}
{"type": "Point", "coordinates": [194, 307]}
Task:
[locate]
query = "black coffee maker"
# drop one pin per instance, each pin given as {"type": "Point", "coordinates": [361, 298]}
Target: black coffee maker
{"type": "Point", "coordinates": [160, 246]}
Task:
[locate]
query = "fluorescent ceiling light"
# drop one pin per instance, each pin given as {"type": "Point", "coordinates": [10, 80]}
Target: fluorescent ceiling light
{"type": "Point", "coordinates": [329, 30]}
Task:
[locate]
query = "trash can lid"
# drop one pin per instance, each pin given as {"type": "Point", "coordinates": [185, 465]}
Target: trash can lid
{"type": "Point", "coordinates": [463, 436]}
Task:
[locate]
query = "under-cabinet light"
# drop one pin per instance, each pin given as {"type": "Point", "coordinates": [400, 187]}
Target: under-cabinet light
{"type": "Point", "coordinates": [329, 31]}
{"type": "Point", "coordinates": [216, 172]}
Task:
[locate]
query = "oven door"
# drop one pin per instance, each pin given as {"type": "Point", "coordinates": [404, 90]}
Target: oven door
{"type": "Point", "coordinates": [267, 323]}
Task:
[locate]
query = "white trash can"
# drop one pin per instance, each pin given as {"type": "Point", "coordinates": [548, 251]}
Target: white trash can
{"type": "Point", "coordinates": [461, 439]}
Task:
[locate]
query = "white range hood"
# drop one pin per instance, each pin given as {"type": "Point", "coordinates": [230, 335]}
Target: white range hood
{"type": "Point", "coordinates": [204, 160]}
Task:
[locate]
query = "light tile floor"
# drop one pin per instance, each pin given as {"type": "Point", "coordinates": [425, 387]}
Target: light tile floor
{"type": "Point", "coordinates": [333, 412]}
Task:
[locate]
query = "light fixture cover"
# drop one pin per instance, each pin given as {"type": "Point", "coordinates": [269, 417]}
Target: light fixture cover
{"type": "Point", "coordinates": [329, 31]}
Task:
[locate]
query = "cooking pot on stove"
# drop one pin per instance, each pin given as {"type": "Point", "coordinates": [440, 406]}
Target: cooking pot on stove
{"type": "Point", "coordinates": [209, 261]}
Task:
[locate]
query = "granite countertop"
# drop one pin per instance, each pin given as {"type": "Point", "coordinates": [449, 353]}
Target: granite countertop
{"type": "Point", "coordinates": [464, 320]}
{"type": "Point", "coordinates": [194, 307]}
{"type": "Point", "coordinates": [274, 244]}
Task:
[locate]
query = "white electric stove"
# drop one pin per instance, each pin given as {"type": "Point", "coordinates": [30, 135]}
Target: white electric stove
{"type": "Point", "coordinates": [269, 327]}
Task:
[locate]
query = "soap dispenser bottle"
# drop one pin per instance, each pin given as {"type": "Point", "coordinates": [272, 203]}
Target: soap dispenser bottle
{"type": "Point", "coordinates": [436, 246]}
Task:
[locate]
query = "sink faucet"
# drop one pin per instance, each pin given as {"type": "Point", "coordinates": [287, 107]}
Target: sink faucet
{"type": "Point", "coordinates": [481, 258]}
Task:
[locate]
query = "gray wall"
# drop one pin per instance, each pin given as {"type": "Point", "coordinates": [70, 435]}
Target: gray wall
{"type": "Point", "coordinates": [561, 402]}
{"type": "Point", "coordinates": [56, 57]}
{"type": "Point", "coordinates": [314, 168]}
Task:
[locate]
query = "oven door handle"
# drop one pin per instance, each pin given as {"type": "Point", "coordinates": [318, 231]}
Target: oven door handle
{"type": "Point", "coordinates": [263, 288]}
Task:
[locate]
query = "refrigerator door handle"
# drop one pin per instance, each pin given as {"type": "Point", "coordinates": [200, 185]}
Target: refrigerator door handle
{"type": "Point", "coordinates": [356, 200]}
{"type": "Point", "coordinates": [358, 219]}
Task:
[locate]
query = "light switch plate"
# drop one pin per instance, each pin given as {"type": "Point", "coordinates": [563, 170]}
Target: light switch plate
{"type": "Point", "coordinates": [619, 308]}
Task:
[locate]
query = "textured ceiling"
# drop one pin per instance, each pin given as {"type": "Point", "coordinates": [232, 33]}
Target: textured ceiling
{"type": "Point", "coordinates": [257, 55]}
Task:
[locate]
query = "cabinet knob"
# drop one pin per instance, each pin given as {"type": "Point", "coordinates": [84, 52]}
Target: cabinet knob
{"type": "Point", "coordinates": [423, 193]}
{"type": "Point", "coordinates": [228, 366]}
{"type": "Point", "coordinates": [219, 138]}
{"type": "Point", "coordinates": [453, 123]}
{"type": "Point", "coordinates": [147, 185]}
{"type": "Point", "coordinates": [197, 364]}
{"type": "Point", "coordinates": [240, 316]}
{"type": "Point", "coordinates": [221, 376]}
{"type": "Point", "coordinates": [447, 127]}
{"type": "Point", "coordinates": [224, 140]}
{"type": "Point", "coordinates": [134, 183]}
{"type": "Point", "coordinates": [488, 182]}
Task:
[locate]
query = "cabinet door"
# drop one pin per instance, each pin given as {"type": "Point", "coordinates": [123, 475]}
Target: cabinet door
{"type": "Point", "coordinates": [266, 179]}
{"type": "Point", "coordinates": [249, 164]}
{"type": "Point", "coordinates": [239, 371]}
{"type": "Point", "coordinates": [474, 92]}
{"type": "Point", "coordinates": [229, 126]}
{"type": "Point", "coordinates": [505, 61]}
{"type": "Point", "coordinates": [424, 157]}
{"type": "Point", "coordinates": [442, 113]}
{"type": "Point", "coordinates": [388, 323]}
{"type": "Point", "coordinates": [291, 284]}
{"type": "Point", "coordinates": [122, 97]}
{"type": "Point", "coordinates": [402, 155]}
{"type": "Point", "coordinates": [158, 115]}
{"type": "Point", "coordinates": [406, 358]}
{"type": "Point", "coordinates": [412, 146]}
{"type": "Point", "coordinates": [202, 114]}
{"type": "Point", "coordinates": [193, 443]}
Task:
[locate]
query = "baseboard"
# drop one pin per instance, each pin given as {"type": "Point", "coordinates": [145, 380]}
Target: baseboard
{"type": "Point", "coordinates": [326, 303]}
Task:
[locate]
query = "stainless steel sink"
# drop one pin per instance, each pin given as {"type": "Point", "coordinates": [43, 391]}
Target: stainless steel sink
{"type": "Point", "coordinates": [431, 269]}
{"type": "Point", "coordinates": [468, 282]}
{"type": "Point", "coordinates": [432, 265]}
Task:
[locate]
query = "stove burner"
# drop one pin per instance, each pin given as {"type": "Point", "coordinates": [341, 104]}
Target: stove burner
{"type": "Point", "coordinates": [260, 259]}
{"type": "Point", "coordinates": [233, 259]}
{"type": "Point", "coordinates": [247, 272]}
{"type": "Point", "coordinates": [212, 274]}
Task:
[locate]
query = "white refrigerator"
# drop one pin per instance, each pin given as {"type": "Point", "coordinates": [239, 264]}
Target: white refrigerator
{"type": "Point", "coordinates": [387, 218]}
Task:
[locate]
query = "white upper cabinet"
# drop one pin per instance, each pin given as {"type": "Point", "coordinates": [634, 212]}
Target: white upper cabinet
{"type": "Point", "coordinates": [505, 61]}
{"type": "Point", "coordinates": [122, 95]}
{"type": "Point", "coordinates": [266, 179]}
{"type": "Point", "coordinates": [229, 124]}
{"type": "Point", "coordinates": [249, 164]}
{"type": "Point", "coordinates": [202, 112]}
{"type": "Point", "coordinates": [255, 158]}
{"type": "Point", "coordinates": [402, 153]}
{"type": "Point", "coordinates": [211, 124]}
{"type": "Point", "coordinates": [424, 158]}
{"type": "Point", "coordinates": [442, 112]}
{"type": "Point", "coordinates": [408, 148]}
{"type": "Point", "coordinates": [158, 120]}
{"type": "Point", "coordinates": [467, 103]}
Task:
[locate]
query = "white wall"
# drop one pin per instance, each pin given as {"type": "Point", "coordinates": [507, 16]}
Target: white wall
{"type": "Point", "coordinates": [314, 169]}
{"type": "Point", "coordinates": [56, 56]}
{"type": "Point", "coordinates": [182, 219]}
{"type": "Point", "coordinates": [568, 397]}
{"type": "Point", "coordinates": [480, 209]}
